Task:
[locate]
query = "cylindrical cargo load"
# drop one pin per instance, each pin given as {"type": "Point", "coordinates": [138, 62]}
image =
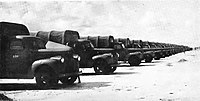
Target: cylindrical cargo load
{"type": "Point", "coordinates": [84, 37]}
{"type": "Point", "coordinates": [125, 41]}
{"type": "Point", "coordinates": [57, 36]}
{"type": "Point", "coordinates": [64, 36]}
{"type": "Point", "coordinates": [94, 40]}
{"type": "Point", "coordinates": [44, 35]}
{"type": "Point", "coordinates": [33, 34]}
{"type": "Point", "coordinates": [61, 37]}
{"type": "Point", "coordinates": [101, 41]}
{"type": "Point", "coordinates": [145, 44]}
{"type": "Point", "coordinates": [136, 43]}
{"type": "Point", "coordinates": [105, 41]}
{"type": "Point", "coordinates": [116, 40]}
{"type": "Point", "coordinates": [70, 35]}
{"type": "Point", "coordinates": [0, 53]}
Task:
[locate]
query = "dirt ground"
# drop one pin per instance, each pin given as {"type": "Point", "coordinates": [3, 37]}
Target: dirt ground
{"type": "Point", "coordinates": [174, 78]}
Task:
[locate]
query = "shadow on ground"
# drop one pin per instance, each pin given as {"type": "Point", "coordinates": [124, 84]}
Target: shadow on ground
{"type": "Point", "coordinates": [89, 74]}
{"type": "Point", "coordinates": [18, 86]}
{"type": "Point", "coordinates": [33, 86]}
{"type": "Point", "coordinates": [115, 73]}
{"type": "Point", "coordinates": [144, 65]}
{"type": "Point", "coordinates": [87, 86]}
{"type": "Point", "coordinates": [124, 73]}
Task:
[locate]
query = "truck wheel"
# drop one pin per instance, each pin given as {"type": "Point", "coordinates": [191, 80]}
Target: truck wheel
{"type": "Point", "coordinates": [68, 80]}
{"type": "Point", "coordinates": [157, 57]}
{"type": "Point", "coordinates": [45, 78]}
{"type": "Point", "coordinates": [113, 69]}
{"type": "Point", "coordinates": [148, 59]}
{"type": "Point", "coordinates": [101, 67]}
{"type": "Point", "coordinates": [134, 61]}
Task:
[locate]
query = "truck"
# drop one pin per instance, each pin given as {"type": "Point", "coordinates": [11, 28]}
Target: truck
{"type": "Point", "coordinates": [158, 51]}
{"type": "Point", "coordinates": [90, 57]}
{"type": "Point", "coordinates": [26, 57]}
{"type": "Point", "coordinates": [108, 43]}
{"type": "Point", "coordinates": [146, 50]}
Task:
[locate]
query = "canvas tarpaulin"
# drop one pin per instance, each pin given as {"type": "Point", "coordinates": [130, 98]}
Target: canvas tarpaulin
{"type": "Point", "coordinates": [61, 37]}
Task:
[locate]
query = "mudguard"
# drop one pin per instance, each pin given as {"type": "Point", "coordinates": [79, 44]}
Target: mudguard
{"type": "Point", "coordinates": [103, 56]}
{"type": "Point", "coordinates": [149, 53]}
{"type": "Point", "coordinates": [107, 56]}
{"type": "Point", "coordinates": [53, 64]}
{"type": "Point", "coordinates": [138, 54]}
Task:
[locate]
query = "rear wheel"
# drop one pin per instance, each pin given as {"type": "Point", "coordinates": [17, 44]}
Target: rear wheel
{"type": "Point", "coordinates": [134, 61]}
{"type": "Point", "coordinates": [101, 67]}
{"type": "Point", "coordinates": [45, 78]}
{"type": "Point", "coordinates": [68, 80]}
{"type": "Point", "coordinates": [157, 57]}
{"type": "Point", "coordinates": [148, 59]}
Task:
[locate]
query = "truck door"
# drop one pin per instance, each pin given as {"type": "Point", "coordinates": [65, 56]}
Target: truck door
{"type": "Point", "coordinates": [16, 59]}
{"type": "Point", "coordinates": [121, 50]}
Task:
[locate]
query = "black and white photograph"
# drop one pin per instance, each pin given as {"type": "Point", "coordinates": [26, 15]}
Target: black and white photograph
{"type": "Point", "coordinates": [99, 50]}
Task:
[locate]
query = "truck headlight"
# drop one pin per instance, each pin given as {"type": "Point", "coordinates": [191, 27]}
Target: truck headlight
{"type": "Point", "coordinates": [75, 56]}
{"type": "Point", "coordinates": [62, 60]}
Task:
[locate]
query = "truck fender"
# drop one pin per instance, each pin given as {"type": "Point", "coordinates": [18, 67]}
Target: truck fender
{"type": "Point", "coordinates": [108, 57]}
{"type": "Point", "coordinates": [102, 56]}
{"type": "Point", "coordinates": [138, 54]}
{"type": "Point", "coordinates": [47, 62]}
{"type": "Point", "coordinates": [148, 52]}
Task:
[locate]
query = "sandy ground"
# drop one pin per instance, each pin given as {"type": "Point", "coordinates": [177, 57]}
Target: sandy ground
{"type": "Point", "coordinates": [175, 78]}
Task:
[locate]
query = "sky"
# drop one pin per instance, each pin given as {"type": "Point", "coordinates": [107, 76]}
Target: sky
{"type": "Point", "coordinates": [168, 21]}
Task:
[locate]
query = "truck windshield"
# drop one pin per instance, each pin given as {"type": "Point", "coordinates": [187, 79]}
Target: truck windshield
{"type": "Point", "coordinates": [88, 45]}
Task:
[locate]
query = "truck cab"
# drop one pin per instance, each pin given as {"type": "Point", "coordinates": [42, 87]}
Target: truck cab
{"type": "Point", "coordinates": [157, 50]}
{"type": "Point", "coordinates": [26, 57]}
{"type": "Point", "coordinates": [108, 44]}
{"type": "Point", "coordinates": [91, 57]}
{"type": "Point", "coordinates": [133, 56]}
{"type": "Point", "coordinates": [145, 49]}
{"type": "Point", "coordinates": [85, 51]}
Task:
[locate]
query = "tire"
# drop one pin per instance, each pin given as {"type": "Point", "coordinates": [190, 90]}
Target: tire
{"type": "Point", "coordinates": [113, 69]}
{"type": "Point", "coordinates": [134, 61]}
{"type": "Point", "coordinates": [68, 80]}
{"type": "Point", "coordinates": [101, 67]}
{"type": "Point", "coordinates": [45, 78]}
{"type": "Point", "coordinates": [148, 59]}
{"type": "Point", "coordinates": [157, 57]}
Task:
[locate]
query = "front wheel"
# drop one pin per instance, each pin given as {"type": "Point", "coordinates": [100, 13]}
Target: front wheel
{"type": "Point", "coordinates": [101, 67]}
{"type": "Point", "coordinates": [134, 61]}
{"type": "Point", "coordinates": [68, 80]}
{"type": "Point", "coordinates": [45, 78]}
{"type": "Point", "coordinates": [148, 59]}
{"type": "Point", "coordinates": [157, 57]}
